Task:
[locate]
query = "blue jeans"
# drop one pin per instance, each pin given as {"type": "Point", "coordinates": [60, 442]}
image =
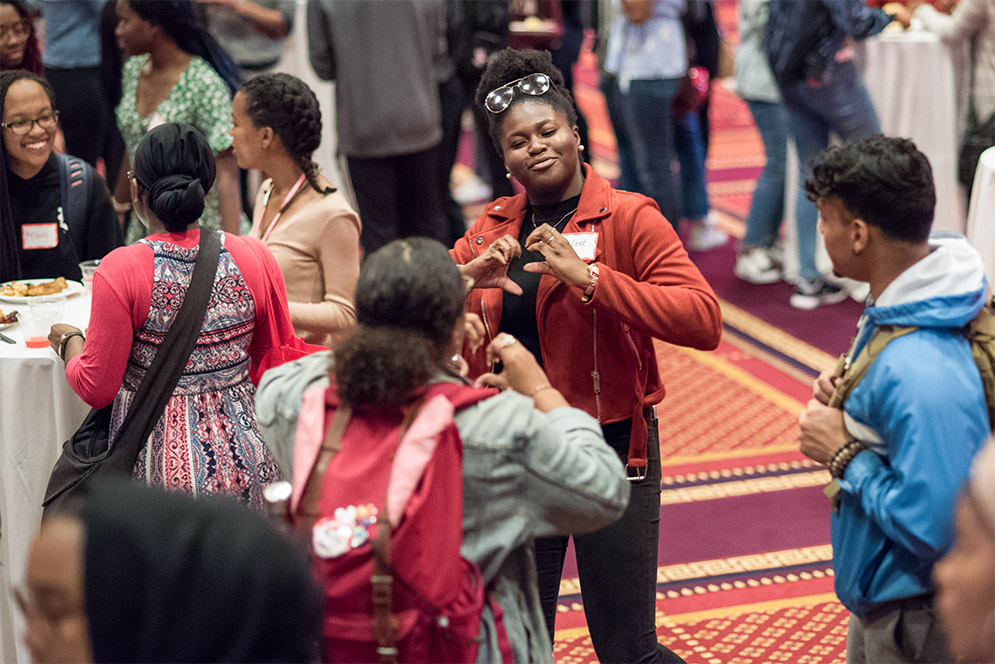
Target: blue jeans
{"type": "Point", "coordinates": [841, 105]}
{"type": "Point", "coordinates": [767, 206]}
{"type": "Point", "coordinates": [617, 570]}
{"type": "Point", "coordinates": [628, 180]}
{"type": "Point", "coordinates": [648, 120]}
{"type": "Point", "coordinates": [689, 143]}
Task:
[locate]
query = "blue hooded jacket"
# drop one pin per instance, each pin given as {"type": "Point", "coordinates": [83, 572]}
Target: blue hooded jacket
{"type": "Point", "coordinates": [921, 409]}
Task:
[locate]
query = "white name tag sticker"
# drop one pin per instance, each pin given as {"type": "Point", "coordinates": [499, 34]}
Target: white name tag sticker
{"type": "Point", "coordinates": [39, 236]}
{"type": "Point", "coordinates": [584, 244]}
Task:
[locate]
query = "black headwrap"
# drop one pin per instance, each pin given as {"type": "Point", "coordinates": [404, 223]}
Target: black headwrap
{"type": "Point", "coordinates": [172, 579]}
{"type": "Point", "coordinates": [176, 165]}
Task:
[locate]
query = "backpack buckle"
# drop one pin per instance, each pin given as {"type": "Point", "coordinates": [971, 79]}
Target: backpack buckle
{"type": "Point", "coordinates": [635, 473]}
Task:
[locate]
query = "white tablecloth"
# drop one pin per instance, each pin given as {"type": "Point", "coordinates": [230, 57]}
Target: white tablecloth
{"type": "Point", "coordinates": [911, 78]}
{"type": "Point", "coordinates": [38, 411]}
{"type": "Point", "coordinates": [981, 216]}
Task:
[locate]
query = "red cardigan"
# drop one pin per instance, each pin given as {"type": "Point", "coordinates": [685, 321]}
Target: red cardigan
{"type": "Point", "coordinates": [122, 294]}
{"type": "Point", "coordinates": [647, 288]}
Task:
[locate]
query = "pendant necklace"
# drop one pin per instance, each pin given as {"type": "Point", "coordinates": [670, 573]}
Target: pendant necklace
{"type": "Point", "coordinates": [535, 225]}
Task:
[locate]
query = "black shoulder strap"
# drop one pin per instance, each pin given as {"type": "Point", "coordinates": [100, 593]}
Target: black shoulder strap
{"type": "Point", "coordinates": [171, 358]}
{"type": "Point", "coordinates": [75, 176]}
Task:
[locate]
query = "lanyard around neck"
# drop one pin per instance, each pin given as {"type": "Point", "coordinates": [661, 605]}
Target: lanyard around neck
{"type": "Point", "coordinates": [283, 206]}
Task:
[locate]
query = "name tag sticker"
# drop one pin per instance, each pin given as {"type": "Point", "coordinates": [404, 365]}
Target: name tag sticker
{"type": "Point", "coordinates": [584, 244]}
{"type": "Point", "coordinates": [39, 236]}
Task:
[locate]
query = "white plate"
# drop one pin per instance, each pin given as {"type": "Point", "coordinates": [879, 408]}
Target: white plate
{"type": "Point", "coordinates": [72, 288]}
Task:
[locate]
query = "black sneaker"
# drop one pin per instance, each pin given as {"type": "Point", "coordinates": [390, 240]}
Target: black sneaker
{"type": "Point", "coordinates": [811, 294]}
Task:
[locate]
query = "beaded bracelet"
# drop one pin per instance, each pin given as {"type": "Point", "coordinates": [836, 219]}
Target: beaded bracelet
{"type": "Point", "coordinates": [841, 460]}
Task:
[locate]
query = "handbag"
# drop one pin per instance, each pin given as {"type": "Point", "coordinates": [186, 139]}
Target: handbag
{"type": "Point", "coordinates": [88, 453]}
{"type": "Point", "coordinates": [978, 136]}
{"type": "Point", "coordinates": [692, 91]}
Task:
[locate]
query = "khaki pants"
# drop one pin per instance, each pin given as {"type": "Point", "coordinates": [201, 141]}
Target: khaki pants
{"type": "Point", "coordinates": [901, 631]}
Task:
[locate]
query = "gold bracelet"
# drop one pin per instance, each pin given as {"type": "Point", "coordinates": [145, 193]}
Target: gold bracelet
{"type": "Point", "coordinates": [544, 386]}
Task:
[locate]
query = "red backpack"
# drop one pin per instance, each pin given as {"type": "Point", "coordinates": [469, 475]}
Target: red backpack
{"type": "Point", "coordinates": [383, 505]}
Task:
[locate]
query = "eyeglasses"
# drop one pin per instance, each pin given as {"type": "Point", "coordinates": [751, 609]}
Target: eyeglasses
{"type": "Point", "coordinates": [498, 99]}
{"type": "Point", "coordinates": [19, 29]}
{"type": "Point", "coordinates": [22, 127]}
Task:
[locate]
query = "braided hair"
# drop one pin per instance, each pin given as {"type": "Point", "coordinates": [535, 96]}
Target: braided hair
{"type": "Point", "coordinates": [510, 65]}
{"type": "Point", "coordinates": [288, 106]}
{"type": "Point", "coordinates": [10, 256]}
{"type": "Point", "coordinates": [179, 22]}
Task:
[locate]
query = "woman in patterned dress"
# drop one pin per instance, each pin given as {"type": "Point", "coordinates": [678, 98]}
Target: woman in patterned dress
{"type": "Point", "coordinates": [207, 441]}
{"type": "Point", "coordinates": [175, 72]}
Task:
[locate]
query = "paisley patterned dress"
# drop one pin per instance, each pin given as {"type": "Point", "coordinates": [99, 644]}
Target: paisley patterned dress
{"type": "Point", "coordinates": [207, 441]}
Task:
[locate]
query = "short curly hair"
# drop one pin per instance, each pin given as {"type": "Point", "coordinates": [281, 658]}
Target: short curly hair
{"type": "Point", "coordinates": [884, 180]}
{"type": "Point", "coordinates": [287, 105]}
{"type": "Point", "coordinates": [510, 65]}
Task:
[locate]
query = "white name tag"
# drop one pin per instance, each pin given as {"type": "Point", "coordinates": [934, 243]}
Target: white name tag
{"type": "Point", "coordinates": [584, 244]}
{"type": "Point", "coordinates": [39, 236]}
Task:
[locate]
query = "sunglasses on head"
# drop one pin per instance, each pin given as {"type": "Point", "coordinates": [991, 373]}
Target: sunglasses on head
{"type": "Point", "coordinates": [499, 99]}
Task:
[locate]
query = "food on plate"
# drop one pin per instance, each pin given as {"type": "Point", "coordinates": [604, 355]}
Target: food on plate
{"type": "Point", "coordinates": [22, 289]}
{"type": "Point", "coordinates": [8, 318]}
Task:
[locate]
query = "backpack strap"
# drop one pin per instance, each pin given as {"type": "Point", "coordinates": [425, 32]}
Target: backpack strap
{"type": "Point", "coordinates": [981, 333]}
{"type": "Point", "coordinates": [852, 372]}
{"type": "Point", "coordinates": [308, 510]}
{"type": "Point", "coordinates": [75, 176]}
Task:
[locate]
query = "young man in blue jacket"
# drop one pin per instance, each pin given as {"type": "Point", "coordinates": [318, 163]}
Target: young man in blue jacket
{"type": "Point", "coordinates": [902, 444]}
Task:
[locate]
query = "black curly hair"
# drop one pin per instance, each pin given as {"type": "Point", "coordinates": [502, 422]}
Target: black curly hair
{"type": "Point", "coordinates": [287, 105]}
{"type": "Point", "coordinates": [884, 180]}
{"type": "Point", "coordinates": [10, 257]}
{"type": "Point", "coordinates": [409, 298]}
{"type": "Point", "coordinates": [510, 65]}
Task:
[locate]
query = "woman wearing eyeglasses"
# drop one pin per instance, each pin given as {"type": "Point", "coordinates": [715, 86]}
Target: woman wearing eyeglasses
{"type": "Point", "coordinates": [44, 234]}
{"type": "Point", "coordinates": [586, 276]}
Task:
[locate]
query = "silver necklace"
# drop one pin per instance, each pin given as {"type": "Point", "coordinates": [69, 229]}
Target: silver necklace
{"type": "Point", "coordinates": [535, 225]}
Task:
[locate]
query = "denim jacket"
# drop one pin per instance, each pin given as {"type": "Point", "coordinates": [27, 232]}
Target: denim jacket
{"type": "Point", "coordinates": [526, 474]}
{"type": "Point", "coordinates": [803, 36]}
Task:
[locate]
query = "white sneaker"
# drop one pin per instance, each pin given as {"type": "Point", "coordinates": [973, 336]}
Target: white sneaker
{"type": "Point", "coordinates": [756, 266]}
{"type": "Point", "coordinates": [857, 290]}
{"type": "Point", "coordinates": [705, 234]}
{"type": "Point", "coordinates": [811, 294]}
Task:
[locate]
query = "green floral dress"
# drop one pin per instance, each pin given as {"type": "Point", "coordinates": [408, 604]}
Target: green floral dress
{"type": "Point", "coordinates": [199, 98]}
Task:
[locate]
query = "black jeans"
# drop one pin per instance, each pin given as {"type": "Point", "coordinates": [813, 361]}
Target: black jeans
{"type": "Point", "coordinates": [617, 569]}
{"type": "Point", "coordinates": [397, 196]}
{"type": "Point", "coordinates": [86, 118]}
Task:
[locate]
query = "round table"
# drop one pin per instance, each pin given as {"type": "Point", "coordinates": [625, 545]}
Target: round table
{"type": "Point", "coordinates": [38, 412]}
{"type": "Point", "coordinates": [981, 216]}
{"type": "Point", "coordinates": [911, 79]}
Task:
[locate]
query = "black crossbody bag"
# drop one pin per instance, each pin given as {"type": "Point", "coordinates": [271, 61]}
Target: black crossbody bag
{"type": "Point", "coordinates": [88, 453]}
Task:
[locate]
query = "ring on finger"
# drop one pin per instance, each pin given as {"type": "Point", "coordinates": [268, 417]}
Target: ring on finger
{"type": "Point", "coordinates": [508, 340]}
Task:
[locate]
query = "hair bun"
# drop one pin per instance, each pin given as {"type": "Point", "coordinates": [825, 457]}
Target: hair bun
{"type": "Point", "coordinates": [177, 199]}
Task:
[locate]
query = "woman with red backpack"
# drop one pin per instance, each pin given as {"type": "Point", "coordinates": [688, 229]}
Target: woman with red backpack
{"type": "Point", "coordinates": [530, 466]}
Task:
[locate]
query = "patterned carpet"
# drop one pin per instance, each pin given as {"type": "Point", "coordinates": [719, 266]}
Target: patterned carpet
{"type": "Point", "coordinates": [745, 565]}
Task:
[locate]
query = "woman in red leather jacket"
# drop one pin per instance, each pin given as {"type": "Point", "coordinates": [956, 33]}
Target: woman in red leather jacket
{"type": "Point", "coordinates": [586, 276]}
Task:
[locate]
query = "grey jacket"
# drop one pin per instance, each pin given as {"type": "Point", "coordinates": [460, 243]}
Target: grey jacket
{"type": "Point", "coordinates": [526, 474]}
{"type": "Point", "coordinates": [381, 55]}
